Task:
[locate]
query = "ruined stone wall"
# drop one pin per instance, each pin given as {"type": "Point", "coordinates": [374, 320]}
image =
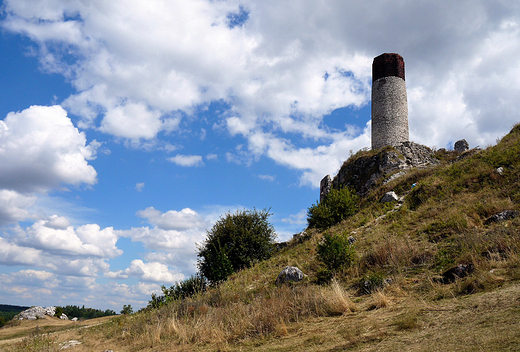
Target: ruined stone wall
{"type": "Point", "coordinates": [389, 102]}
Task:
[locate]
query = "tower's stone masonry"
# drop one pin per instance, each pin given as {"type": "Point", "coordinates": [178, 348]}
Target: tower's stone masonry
{"type": "Point", "coordinates": [389, 129]}
{"type": "Point", "coordinates": [389, 101]}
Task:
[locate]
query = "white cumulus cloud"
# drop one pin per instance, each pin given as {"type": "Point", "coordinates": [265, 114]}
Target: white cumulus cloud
{"type": "Point", "coordinates": [148, 272]}
{"type": "Point", "coordinates": [187, 160]}
{"type": "Point", "coordinates": [40, 149]}
{"type": "Point", "coordinates": [14, 206]}
{"type": "Point", "coordinates": [55, 237]}
{"type": "Point", "coordinates": [173, 220]}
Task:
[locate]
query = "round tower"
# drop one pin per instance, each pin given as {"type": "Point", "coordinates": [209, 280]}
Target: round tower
{"type": "Point", "coordinates": [389, 103]}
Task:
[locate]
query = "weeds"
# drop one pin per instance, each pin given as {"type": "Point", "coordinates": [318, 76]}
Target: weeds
{"type": "Point", "coordinates": [37, 343]}
{"type": "Point", "coordinates": [408, 320]}
{"type": "Point", "coordinates": [213, 317]}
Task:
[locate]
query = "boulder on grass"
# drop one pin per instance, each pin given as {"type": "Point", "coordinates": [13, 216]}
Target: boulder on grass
{"type": "Point", "coordinates": [502, 216]}
{"type": "Point", "coordinates": [290, 273]}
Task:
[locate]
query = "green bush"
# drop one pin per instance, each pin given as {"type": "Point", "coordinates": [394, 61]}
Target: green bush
{"type": "Point", "coordinates": [373, 282]}
{"type": "Point", "coordinates": [335, 252]}
{"type": "Point", "coordinates": [186, 288]}
{"type": "Point", "coordinates": [58, 312]}
{"type": "Point", "coordinates": [337, 206]}
{"type": "Point", "coordinates": [235, 242]}
{"type": "Point", "coordinates": [127, 309]}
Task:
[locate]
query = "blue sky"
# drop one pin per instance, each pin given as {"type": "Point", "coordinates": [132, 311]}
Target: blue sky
{"type": "Point", "coordinates": [127, 128]}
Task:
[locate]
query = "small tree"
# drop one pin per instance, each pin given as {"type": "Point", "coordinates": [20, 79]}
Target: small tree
{"type": "Point", "coordinates": [235, 242]}
{"type": "Point", "coordinates": [58, 312]}
{"type": "Point", "coordinates": [335, 252]}
{"type": "Point", "coordinates": [127, 309]}
{"type": "Point", "coordinates": [337, 206]}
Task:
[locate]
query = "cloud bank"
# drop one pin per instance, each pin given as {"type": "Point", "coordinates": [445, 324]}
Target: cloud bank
{"type": "Point", "coordinates": [279, 68]}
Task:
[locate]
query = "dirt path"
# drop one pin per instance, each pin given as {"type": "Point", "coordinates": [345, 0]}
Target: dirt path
{"type": "Point", "coordinates": [47, 325]}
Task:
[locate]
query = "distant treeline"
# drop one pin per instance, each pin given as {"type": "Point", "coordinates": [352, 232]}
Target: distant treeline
{"type": "Point", "coordinates": [85, 313]}
{"type": "Point", "coordinates": [8, 312]}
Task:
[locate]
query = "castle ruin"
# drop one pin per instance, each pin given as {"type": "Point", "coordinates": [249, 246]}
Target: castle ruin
{"type": "Point", "coordinates": [389, 102]}
{"type": "Point", "coordinates": [389, 109]}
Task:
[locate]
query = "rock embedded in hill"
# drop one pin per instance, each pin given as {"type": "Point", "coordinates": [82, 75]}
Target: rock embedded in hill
{"type": "Point", "coordinates": [364, 172]}
{"type": "Point", "coordinates": [70, 344]}
{"type": "Point", "coordinates": [460, 271]}
{"type": "Point", "coordinates": [461, 146]}
{"type": "Point", "coordinates": [290, 273]}
{"type": "Point", "coordinates": [34, 313]}
{"type": "Point", "coordinates": [389, 197]}
{"type": "Point", "coordinates": [325, 186]}
{"type": "Point", "coordinates": [502, 216]}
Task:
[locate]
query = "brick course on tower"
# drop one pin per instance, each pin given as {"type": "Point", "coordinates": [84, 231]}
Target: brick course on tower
{"type": "Point", "coordinates": [389, 102]}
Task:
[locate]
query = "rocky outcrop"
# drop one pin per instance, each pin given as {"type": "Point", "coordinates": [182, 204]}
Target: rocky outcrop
{"type": "Point", "coordinates": [389, 197]}
{"type": "Point", "coordinates": [461, 146]}
{"type": "Point", "coordinates": [34, 313]}
{"type": "Point", "coordinates": [325, 186]}
{"type": "Point", "coordinates": [365, 171]}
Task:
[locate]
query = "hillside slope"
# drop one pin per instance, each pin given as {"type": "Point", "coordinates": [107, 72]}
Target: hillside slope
{"type": "Point", "coordinates": [397, 295]}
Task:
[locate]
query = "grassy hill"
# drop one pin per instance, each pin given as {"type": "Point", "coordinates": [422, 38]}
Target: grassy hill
{"type": "Point", "coordinates": [392, 298]}
{"type": "Point", "coordinates": [7, 312]}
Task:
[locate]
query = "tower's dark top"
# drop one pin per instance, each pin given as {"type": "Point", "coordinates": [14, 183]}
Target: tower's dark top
{"type": "Point", "coordinates": [386, 65]}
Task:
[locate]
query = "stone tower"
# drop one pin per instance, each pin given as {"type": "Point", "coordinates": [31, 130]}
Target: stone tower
{"type": "Point", "coordinates": [389, 103]}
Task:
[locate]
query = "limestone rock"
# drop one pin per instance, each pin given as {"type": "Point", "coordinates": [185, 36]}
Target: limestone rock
{"type": "Point", "coordinates": [64, 317]}
{"type": "Point", "coordinates": [70, 344]}
{"type": "Point", "coordinates": [325, 186]}
{"type": "Point", "coordinates": [389, 197]}
{"type": "Point", "coordinates": [290, 273]}
{"type": "Point", "coordinates": [364, 172]}
{"type": "Point", "coordinates": [34, 313]}
{"type": "Point", "coordinates": [461, 146]}
{"type": "Point", "coordinates": [502, 216]}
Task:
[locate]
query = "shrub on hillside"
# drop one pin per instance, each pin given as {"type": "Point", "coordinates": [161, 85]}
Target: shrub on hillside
{"type": "Point", "coordinates": [180, 290]}
{"type": "Point", "coordinates": [335, 252]}
{"type": "Point", "coordinates": [186, 288]}
{"type": "Point", "coordinates": [127, 309]}
{"type": "Point", "coordinates": [235, 242]}
{"type": "Point", "coordinates": [59, 312]}
{"type": "Point", "coordinates": [337, 206]}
